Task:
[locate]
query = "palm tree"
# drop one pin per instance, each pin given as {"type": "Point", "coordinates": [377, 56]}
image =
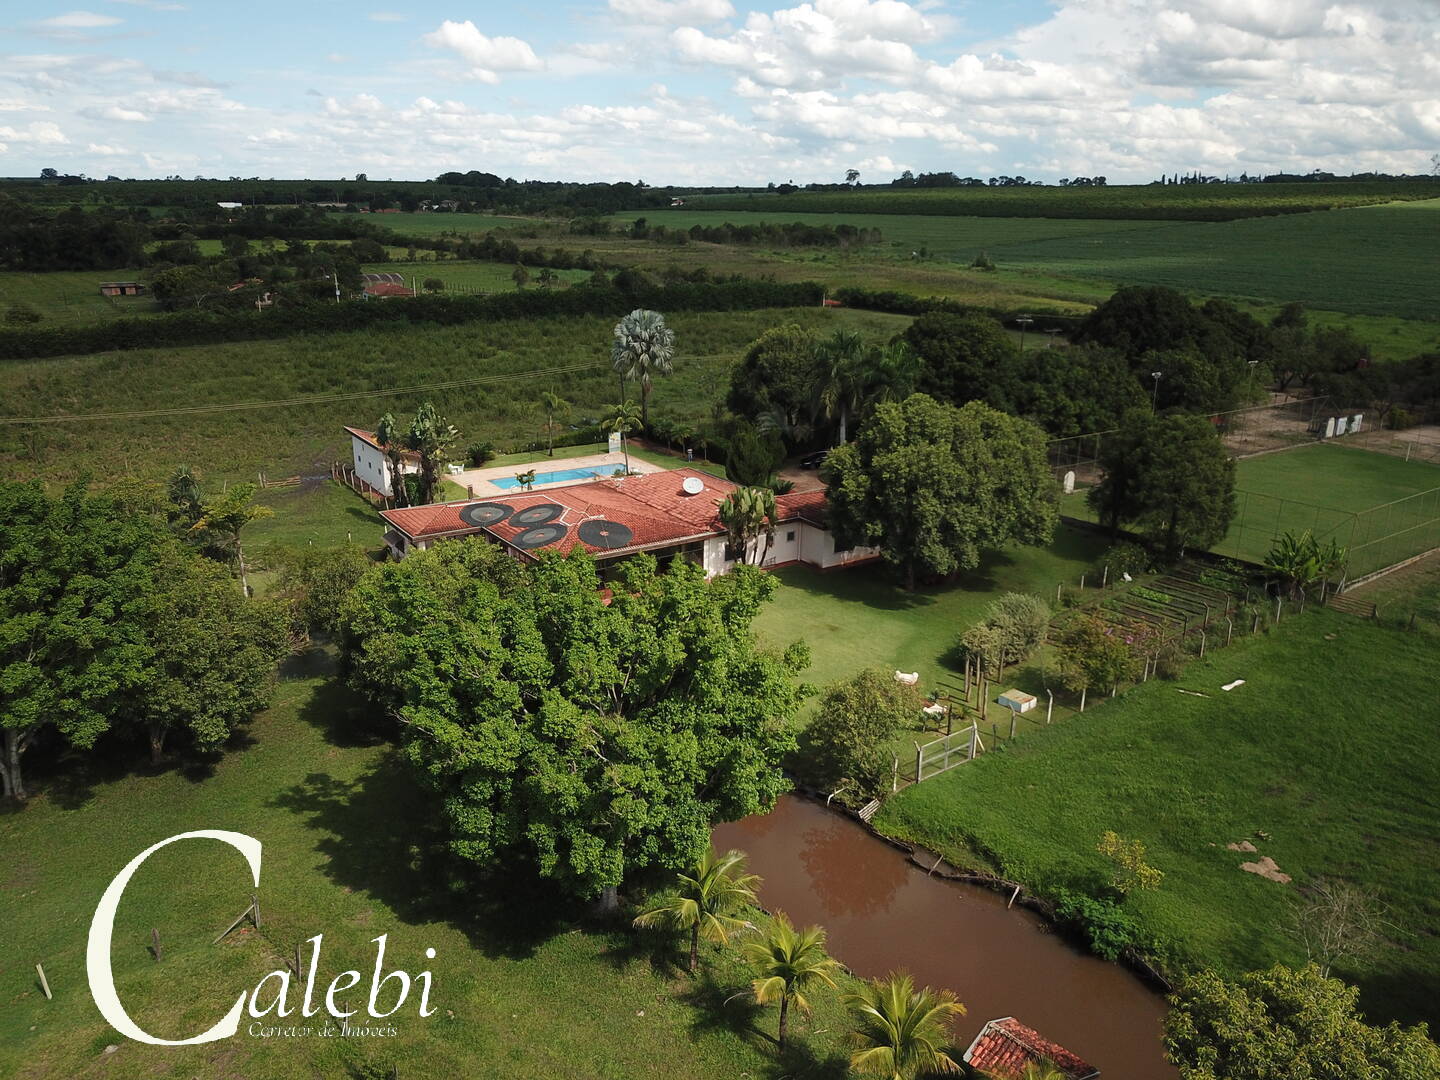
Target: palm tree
{"type": "Point", "coordinates": [892, 371]}
{"type": "Point", "coordinates": [840, 384]}
{"type": "Point", "coordinates": [430, 436]}
{"type": "Point", "coordinates": [901, 1032]}
{"type": "Point", "coordinates": [226, 517]}
{"type": "Point", "coordinates": [1043, 1070]}
{"type": "Point", "coordinates": [644, 347]}
{"type": "Point", "coordinates": [705, 900]}
{"type": "Point", "coordinates": [787, 962]}
{"type": "Point", "coordinates": [183, 490]}
{"type": "Point", "coordinates": [623, 418]}
{"type": "Point", "coordinates": [1301, 560]}
{"type": "Point", "coordinates": [390, 436]}
{"type": "Point", "coordinates": [745, 512]}
{"type": "Point", "coordinates": [552, 403]}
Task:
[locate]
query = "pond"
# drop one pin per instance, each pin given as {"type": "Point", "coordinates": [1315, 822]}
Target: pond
{"type": "Point", "coordinates": [884, 913]}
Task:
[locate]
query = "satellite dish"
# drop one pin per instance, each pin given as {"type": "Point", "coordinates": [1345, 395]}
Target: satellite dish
{"type": "Point", "coordinates": [693, 485]}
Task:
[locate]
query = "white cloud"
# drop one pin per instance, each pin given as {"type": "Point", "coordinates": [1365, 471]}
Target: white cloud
{"type": "Point", "coordinates": [487, 57]}
{"type": "Point", "coordinates": [105, 150]}
{"type": "Point", "coordinates": [39, 133]}
{"type": "Point", "coordinates": [673, 12]}
{"type": "Point", "coordinates": [79, 20]}
{"type": "Point", "coordinates": [116, 113]}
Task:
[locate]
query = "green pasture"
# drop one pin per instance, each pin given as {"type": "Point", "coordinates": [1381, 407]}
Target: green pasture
{"type": "Point", "coordinates": [432, 224]}
{"type": "Point", "coordinates": [470, 276]}
{"type": "Point", "coordinates": [1196, 202]}
{"type": "Point", "coordinates": [305, 439]}
{"type": "Point", "coordinates": [71, 296]}
{"type": "Point", "coordinates": [1325, 759]}
{"type": "Point", "coordinates": [522, 986]}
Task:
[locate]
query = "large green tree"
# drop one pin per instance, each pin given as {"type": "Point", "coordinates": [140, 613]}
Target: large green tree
{"type": "Point", "coordinates": [1284, 1024]}
{"type": "Point", "coordinates": [965, 357]}
{"type": "Point", "coordinates": [75, 582]}
{"type": "Point", "coordinates": [850, 738]}
{"type": "Point", "coordinates": [222, 523]}
{"type": "Point", "coordinates": [211, 653]}
{"type": "Point", "coordinates": [1170, 477]}
{"type": "Point", "coordinates": [934, 486]}
{"type": "Point", "coordinates": [842, 380]}
{"type": "Point", "coordinates": [1077, 390]}
{"type": "Point", "coordinates": [589, 740]}
{"type": "Point", "coordinates": [777, 375]}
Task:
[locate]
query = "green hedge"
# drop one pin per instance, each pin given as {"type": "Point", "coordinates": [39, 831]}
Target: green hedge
{"type": "Point", "coordinates": [211, 327]}
{"type": "Point", "coordinates": [899, 303]}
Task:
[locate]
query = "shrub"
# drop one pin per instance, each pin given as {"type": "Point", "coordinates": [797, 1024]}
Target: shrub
{"type": "Point", "coordinates": [1101, 924]}
{"type": "Point", "coordinates": [22, 315]}
{"type": "Point", "coordinates": [1400, 419]}
{"type": "Point", "coordinates": [477, 454]}
{"type": "Point", "coordinates": [983, 262]}
{"type": "Point", "coordinates": [431, 284]}
{"type": "Point", "coordinates": [1126, 558]}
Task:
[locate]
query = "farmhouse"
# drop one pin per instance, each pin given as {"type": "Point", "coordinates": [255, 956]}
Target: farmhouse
{"type": "Point", "coordinates": [122, 288]}
{"type": "Point", "coordinates": [1005, 1048]}
{"type": "Point", "coordinates": [663, 513]}
{"type": "Point", "coordinates": [372, 464]}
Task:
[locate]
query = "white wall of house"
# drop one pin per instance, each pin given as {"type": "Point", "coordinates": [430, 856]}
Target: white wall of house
{"type": "Point", "coordinates": [795, 541]}
{"type": "Point", "coordinates": [372, 466]}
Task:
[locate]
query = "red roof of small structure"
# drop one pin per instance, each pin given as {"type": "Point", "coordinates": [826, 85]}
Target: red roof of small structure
{"type": "Point", "coordinates": [386, 288]}
{"type": "Point", "coordinates": [1004, 1047]}
{"type": "Point", "coordinates": [369, 437]}
{"type": "Point", "coordinates": [803, 506]}
{"type": "Point", "coordinates": [654, 507]}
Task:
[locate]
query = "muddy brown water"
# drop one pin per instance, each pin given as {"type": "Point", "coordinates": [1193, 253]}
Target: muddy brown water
{"type": "Point", "coordinates": [882, 912]}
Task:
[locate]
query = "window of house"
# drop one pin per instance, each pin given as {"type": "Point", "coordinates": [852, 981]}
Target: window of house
{"type": "Point", "coordinates": [790, 536]}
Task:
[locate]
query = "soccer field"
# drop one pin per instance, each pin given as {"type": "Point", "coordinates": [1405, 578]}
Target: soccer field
{"type": "Point", "coordinates": [1370, 503]}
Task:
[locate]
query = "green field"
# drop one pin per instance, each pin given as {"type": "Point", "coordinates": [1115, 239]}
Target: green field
{"type": "Point", "coordinates": [1374, 260]}
{"type": "Point", "coordinates": [1327, 749]}
{"type": "Point", "coordinates": [72, 296]}
{"type": "Point", "coordinates": [1196, 202]}
{"type": "Point", "coordinates": [350, 852]}
{"type": "Point", "coordinates": [305, 439]}
{"type": "Point", "coordinates": [466, 276]}
{"type": "Point", "coordinates": [1332, 490]}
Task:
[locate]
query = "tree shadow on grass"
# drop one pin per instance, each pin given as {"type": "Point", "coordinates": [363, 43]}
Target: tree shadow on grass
{"type": "Point", "coordinates": [344, 717]}
{"type": "Point", "coordinates": [1410, 996]}
{"type": "Point", "coordinates": [383, 837]}
{"type": "Point", "coordinates": [662, 950]}
{"type": "Point", "coordinates": [730, 1009]}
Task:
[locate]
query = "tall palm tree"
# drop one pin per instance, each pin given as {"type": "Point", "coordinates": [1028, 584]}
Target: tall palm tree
{"type": "Point", "coordinates": [552, 403]}
{"type": "Point", "coordinates": [787, 963]}
{"type": "Point", "coordinates": [901, 1032]}
{"type": "Point", "coordinates": [644, 347]}
{"type": "Point", "coordinates": [391, 437]}
{"type": "Point", "coordinates": [623, 418]}
{"type": "Point", "coordinates": [431, 436]}
{"type": "Point", "coordinates": [183, 490]}
{"type": "Point", "coordinates": [745, 513]}
{"type": "Point", "coordinates": [840, 384]}
{"type": "Point", "coordinates": [706, 900]}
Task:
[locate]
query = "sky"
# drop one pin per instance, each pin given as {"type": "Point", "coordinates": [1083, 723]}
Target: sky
{"type": "Point", "coordinates": [719, 91]}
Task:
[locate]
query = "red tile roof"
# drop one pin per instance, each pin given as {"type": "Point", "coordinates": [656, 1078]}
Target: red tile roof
{"type": "Point", "coordinates": [802, 505]}
{"type": "Point", "coordinates": [1004, 1047]}
{"type": "Point", "coordinates": [654, 507]}
{"type": "Point", "coordinates": [369, 437]}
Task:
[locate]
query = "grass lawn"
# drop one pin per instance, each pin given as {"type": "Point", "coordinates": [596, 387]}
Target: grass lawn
{"type": "Point", "coordinates": [322, 513]}
{"type": "Point", "coordinates": [72, 296]}
{"type": "Point", "coordinates": [854, 619]}
{"type": "Point", "coordinates": [348, 842]}
{"type": "Point", "coordinates": [1329, 747]}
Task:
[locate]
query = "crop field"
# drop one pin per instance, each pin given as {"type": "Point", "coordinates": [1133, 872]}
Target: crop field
{"type": "Point", "coordinates": [467, 276]}
{"type": "Point", "coordinates": [521, 985]}
{"type": "Point", "coordinates": [1376, 260]}
{"type": "Point", "coordinates": [1303, 760]}
{"type": "Point", "coordinates": [1183, 202]}
{"type": "Point", "coordinates": [306, 439]}
{"type": "Point", "coordinates": [433, 224]}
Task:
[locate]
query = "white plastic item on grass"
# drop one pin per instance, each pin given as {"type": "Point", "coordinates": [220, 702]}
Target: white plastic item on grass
{"type": "Point", "coordinates": [1232, 685]}
{"type": "Point", "coordinates": [909, 678]}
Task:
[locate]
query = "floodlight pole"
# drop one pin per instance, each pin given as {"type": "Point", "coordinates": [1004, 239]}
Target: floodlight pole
{"type": "Point", "coordinates": [1155, 395]}
{"type": "Point", "coordinates": [1024, 321]}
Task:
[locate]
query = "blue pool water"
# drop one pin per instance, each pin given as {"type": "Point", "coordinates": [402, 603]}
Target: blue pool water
{"type": "Point", "coordinates": [556, 477]}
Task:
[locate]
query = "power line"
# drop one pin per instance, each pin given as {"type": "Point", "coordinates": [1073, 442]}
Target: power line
{"type": "Point", "coordinates": [319, 399]}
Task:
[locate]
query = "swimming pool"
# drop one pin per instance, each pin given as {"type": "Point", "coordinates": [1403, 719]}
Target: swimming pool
{"type": "Point", "coordinates": [556, 477]}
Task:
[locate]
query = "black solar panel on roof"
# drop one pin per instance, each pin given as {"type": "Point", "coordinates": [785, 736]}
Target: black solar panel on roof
{"type": "Point", "coordinates": [538, 514]}
{"type": "Point", "coordinates": [539, 536]}
{"type": "Point", "coordinates": [485, 513]}
{"type": "Point", "coordinates": [609, 535]}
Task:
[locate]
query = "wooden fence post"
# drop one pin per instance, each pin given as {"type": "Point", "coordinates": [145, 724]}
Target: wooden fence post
{"type": "Point", "coordinates": [44, 983]}
{"type": "Point", "coordinates": [1050, 707]}
{"type": "Point", "coordinates": [255, 909]}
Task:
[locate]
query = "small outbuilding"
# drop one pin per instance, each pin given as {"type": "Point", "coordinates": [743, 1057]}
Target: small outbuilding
{"type": "Point", "coordinates": [123, 288]}
{"type": "Point", "coordinates": [1005, 1048]}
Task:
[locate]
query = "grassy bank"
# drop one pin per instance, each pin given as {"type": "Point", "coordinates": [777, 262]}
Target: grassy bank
{"type": "Point", "coordinates": [518, 989]}
{"type": "Point", "coordinates": [1328, 749]}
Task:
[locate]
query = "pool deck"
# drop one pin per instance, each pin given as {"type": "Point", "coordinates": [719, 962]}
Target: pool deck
{"type": "Point", "coordinates": [481, 480]}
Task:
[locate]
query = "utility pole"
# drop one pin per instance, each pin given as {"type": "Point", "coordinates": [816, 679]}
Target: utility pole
{"type": "Point", "coordinates": [1024, 321]}
{"type": "Point", "coordinates": [335, 277]}
{"type": "Point", "coordinates": [1155, 396]}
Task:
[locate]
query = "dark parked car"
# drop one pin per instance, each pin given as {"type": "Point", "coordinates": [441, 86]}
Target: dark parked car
{"type": "Point", "coordinates": [815, 460]}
